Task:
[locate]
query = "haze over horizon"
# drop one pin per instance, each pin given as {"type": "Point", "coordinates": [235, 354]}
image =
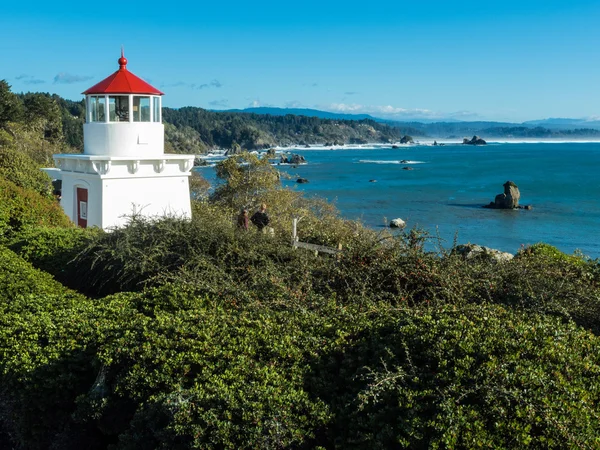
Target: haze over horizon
{"type": "Point", "coordinates": [502, 61]}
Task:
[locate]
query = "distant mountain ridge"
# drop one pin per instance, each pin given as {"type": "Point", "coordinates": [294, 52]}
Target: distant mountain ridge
{"type": "Point", "coordinates": [562, 123]}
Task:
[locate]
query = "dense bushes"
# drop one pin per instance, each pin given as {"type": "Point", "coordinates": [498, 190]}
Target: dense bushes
{"type": "Point", "coordinates": [172, 368]}
{"type": "Point", "coordinates": [19, 278]}
{"type": "Point", "coordinates": [20, 169]}
{"type": "Point", "coordinates": [24, 207]}
{"type": "Point", "coordinates": [472, 377]}
{"type": "Point", "coordinates": [44, 361]}
{"type": "Point", "coordinates": [209, 253]}
{"type": "Point", "coordinates": [52, 249]}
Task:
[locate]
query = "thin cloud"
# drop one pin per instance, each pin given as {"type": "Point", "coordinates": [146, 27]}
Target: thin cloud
{"type": "Point", "coordinates": [350, 93]}
{"type": "Point", "coordinates": [67, 78]}
{"type": "Point", "coordinates": [213, 83]}
{"type": "Point", "coordinates": [293, 104]}
{"type": "Point", "coordinates": [29, 79]}
{"type": "Point", "coordinates": [382, 110]}
{"type": "Point", "coordinates": [34, 81]}
{"type": "Point", "coordinates": [397, 113]}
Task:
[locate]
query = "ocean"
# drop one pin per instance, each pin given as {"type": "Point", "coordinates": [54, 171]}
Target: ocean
{"type": "Point", "coordinates": [448, 185]}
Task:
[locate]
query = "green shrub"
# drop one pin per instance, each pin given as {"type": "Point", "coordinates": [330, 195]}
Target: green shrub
{"type": "Point", "coordinates": [24, 207]}
{"type": "Point", "coordinates": [23, 171]}
{"type": "Point", "coordinates": [183, 371]}
{"type": "Point", "coordinates": [19, 278]}
{"type": "Point", "coordinates": [463, 378]}
{"type": "Point", "coordinates": [551, 253]}
{"type": "Point", "coordinates": [45, 363]}
{"type": "Point", "coordinates": [207, 252]}
{"type": "Point", "coordinates": [52, 249]}
{"type": "Point", "coordinates": [171, 367]}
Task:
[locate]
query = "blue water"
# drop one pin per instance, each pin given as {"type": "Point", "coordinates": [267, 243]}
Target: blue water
{"type": "Point", "coordinates": [444, 192]}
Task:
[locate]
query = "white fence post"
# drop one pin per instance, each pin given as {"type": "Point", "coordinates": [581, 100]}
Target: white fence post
{"type": "Point", "coordinates": [294, 229]}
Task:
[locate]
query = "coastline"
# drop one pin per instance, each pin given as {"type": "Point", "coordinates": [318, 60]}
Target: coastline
{"type": "Point", "coordinates": [429, 142]}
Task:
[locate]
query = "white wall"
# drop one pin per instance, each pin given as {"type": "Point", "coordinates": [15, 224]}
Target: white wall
{"type": "Point", "coordinates": [151, 197]}
{"type": "Point", "coordinates": [123, 139]}
{"type": "Point", "coordinates": [70, 181]}
{"type": "Point", "coordinates": [119, 186]}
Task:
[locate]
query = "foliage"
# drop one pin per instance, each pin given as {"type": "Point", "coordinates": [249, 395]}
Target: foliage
{"type": "Point", "coordinates": [199, 187]}
{"type": "Point", "coordinates": [246, 178]}
{"type": "Point", "coordinates": [478, 377]}
{"type": "Point", "coordinates": [52, 250]}
{"type": "Point", "coordinates": [24, 207]}
{"type": "Point", "coordinates": [18, 277]}
{"type": "Point", "coordinates": [174, 368]}
{"type": "Point", "coordinates": [256, 131]}
{"type": "Point", "coordinates": [11, 107]}
{"type": "Point", "coordinates": [44, 360]}
{"type": "Point", "coordinates": [41, 112]}
{"type": "Point", "coordinates": [550, 252]}
{"type": "Point", "coordinates": [183, 140]}
{"type": "Point", "coordinates": [21, 170]}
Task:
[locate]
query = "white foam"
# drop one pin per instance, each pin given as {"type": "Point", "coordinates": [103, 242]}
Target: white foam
{"type": "Point", "coordinates": [404, 161]}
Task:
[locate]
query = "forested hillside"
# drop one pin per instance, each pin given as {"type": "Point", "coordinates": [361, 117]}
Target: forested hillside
{"type": "Point", "coordinates": [251, 131]}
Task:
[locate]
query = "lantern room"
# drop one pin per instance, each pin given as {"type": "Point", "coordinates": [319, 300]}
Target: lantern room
{"type": "Point", "coordinates": [123, 116]}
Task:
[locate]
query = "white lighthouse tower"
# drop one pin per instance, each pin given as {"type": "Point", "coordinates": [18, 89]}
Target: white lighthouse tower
{"type": "Point", "coordinates": [123, 169]}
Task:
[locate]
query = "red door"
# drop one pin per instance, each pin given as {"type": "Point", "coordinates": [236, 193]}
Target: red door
{"type": "Point", "coordinates": [82, 210]}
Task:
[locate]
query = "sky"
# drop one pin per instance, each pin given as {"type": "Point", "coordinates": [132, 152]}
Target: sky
{"type": "Point", "coordinates": [437, 60]}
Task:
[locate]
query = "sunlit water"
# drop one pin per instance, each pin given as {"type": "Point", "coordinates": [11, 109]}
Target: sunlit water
{"type": "Point", "coordinates": [448, 185]}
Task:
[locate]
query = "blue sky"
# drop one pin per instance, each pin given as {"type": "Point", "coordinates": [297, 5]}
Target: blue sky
{"type": "Point", "coordinates": [466, 60]}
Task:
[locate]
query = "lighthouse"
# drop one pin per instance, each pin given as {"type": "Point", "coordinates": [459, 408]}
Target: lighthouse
{"type": "Point", "coordinates": [123, 170]}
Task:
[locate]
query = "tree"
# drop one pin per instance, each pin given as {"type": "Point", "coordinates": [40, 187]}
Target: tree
{"type": "Point", "coordinates": [42, 112]}
{"type": "Point", "coordinates": [11, 108]}
{"type": "Point", "coordinates": [246, 178]}
{"type": "Point", "coordinates": [18, 168]}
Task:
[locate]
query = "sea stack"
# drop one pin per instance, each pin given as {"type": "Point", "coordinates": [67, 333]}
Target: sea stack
{"type": "Point", "coordinates": [476, 140]}
{"type": "Point", "coordinates": [509, 199]}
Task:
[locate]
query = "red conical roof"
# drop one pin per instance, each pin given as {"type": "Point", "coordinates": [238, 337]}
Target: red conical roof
{"type": "Point", "coordinates": [123, 82]}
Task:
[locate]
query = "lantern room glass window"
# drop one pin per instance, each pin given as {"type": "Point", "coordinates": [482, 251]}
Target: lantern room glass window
{"type": "Point", "coordinates": [118, 107]}
{"type": "Point", "coordinates": [96, 108]}
{"type": "Point", "coordinates": [141, 109]}
{"type": "Point", "coordinates": [156, 109]}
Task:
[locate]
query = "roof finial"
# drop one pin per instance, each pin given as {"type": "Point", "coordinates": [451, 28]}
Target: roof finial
{"type": "Point", "coordinates": [122, 60]}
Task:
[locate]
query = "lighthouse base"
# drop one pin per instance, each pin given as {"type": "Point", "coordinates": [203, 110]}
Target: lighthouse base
{"type": "Point", "coordinates": [107, 191]}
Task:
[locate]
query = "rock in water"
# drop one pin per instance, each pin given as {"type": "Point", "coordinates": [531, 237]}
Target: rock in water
{"type": "Point", "coordinates": [509, 199]}
{"type": "Point", "coordinates": [475, 141]}
{"type": "Point", "coordinates": [397, 223]}
{"type": "Point", "coordinates": [301, 180]}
